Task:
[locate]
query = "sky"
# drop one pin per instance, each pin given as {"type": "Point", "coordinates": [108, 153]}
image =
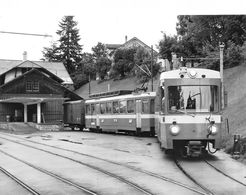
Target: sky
{"type": "Point", "coordinates": [105, 21]}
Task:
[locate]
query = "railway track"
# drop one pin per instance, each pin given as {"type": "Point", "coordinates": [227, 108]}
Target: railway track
{"type": "Point", "coordinates": [226, 175]}
{"type": "Point", "coordinates": [210, 178]}
{"type": "Point", "coordinates": [20, 182]}
{"type": "Point", "coordinates": [87, 191]}
{"type": "Point", "coordinates": [90, 162]}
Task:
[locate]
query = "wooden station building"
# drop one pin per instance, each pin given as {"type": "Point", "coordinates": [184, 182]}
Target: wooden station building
{"type": "Point", "coordinates": [34, 91]}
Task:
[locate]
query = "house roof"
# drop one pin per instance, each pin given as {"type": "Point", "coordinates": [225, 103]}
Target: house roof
{"type": "Point", "coordinates": [112, 46]}
{"type": "Point", "coordinates": [57, 68]}
{"type": "Point", "coordinates": [140, 43]}
{"type": "Point", "coordinates": [134, 39]}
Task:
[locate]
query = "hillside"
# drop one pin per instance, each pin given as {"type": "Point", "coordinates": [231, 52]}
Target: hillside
{"type": "Point", "coordinates": [130, 83]}
{"type": "Point", "coordinates": [235, 79]}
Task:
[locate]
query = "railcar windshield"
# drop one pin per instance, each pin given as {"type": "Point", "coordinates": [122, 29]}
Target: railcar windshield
{"type": "Point", "coordinates": [190, 99]}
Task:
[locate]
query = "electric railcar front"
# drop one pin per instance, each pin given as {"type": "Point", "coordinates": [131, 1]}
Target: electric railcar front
{"type": "Point", "coordinates": [190, 113]}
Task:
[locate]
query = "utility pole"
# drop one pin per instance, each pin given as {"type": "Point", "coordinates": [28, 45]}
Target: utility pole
{"type": "Point", "coordinates": [152, 68]}
{"type": "Point", "coordinates": [221, 74]}
{"type": "Point", "coordinates": [89, 84]}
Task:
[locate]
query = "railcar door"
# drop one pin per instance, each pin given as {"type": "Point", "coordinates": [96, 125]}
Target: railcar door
{"type": "Point", "coordinates": [97, 116]}
{"type": "Point", "coordinates": [138, 115]}
{"type": "Point", "coordinates": [88, 116]}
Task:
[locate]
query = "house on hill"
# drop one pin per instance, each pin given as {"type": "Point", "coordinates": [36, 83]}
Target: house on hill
{"type": "Point", "coordinates": [136, 43]}
{"type": "Point", "coordinates": [132, 43]}
{"type": "Point", "coordinates": [34, 91]}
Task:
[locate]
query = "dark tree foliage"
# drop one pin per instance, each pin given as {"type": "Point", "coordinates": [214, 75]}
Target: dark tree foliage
{"type": "Point", "coordinates": [213, 29]}
{"type": "Point", "coordinates": [143, 65]}
{"type": "Point", "coordinates": [200, 37]}
{"type": "Point", "coordinates": [102, 62]}
{"type": "Point", "coordinates": [103, 65]}
{"type": "Point", "coordinates": [68, 50]}
{"type": "Point", "coordinates": [233, 55]}
{"type": "Point", "coordinates": [124, 61]}
{"type": "Point", "coordinates": [51, 53]}
{"type": "Point", "coordinates": [168, 45]}
{"type": "Point", "coordinates": [86, 71]}
{"type": "Point", "coordinates": [99, 51]}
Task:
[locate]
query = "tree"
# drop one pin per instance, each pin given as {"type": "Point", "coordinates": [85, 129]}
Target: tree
{"type": "Point", "coordinates": [213, 29]}
{"type": "Point", "coordinates": [143, 62]}
{"type": "Point", "coordinates": [124, 61]}
{"type": "Point", "coordinates": [99, 50]}
{"type": "Point", "coordinates": [168, 45]}
{"type": "Point", "coordinates": [85, 71]}
{"type": "Point", "coordinates": [202, 35]}
{"type": "Point", "coordinates": [102, 62]}
{"type": "Point", "coordinates": [67, 49]}
{"type": "Point", "coordinates": [103, 65]}
{"type": "Point", "coordinates": [51, 53]}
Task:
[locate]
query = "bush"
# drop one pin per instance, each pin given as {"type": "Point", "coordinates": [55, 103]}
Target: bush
{"type": "Point", "coordinates": [233, 55]}
{"type": "Point", "coordinates": [124, 61]}
{"type": "Point", "coordinates": [143, 72]}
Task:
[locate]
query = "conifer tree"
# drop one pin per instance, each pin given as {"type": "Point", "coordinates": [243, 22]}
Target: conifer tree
{"type": "Point", "coordinates": [67, 49]}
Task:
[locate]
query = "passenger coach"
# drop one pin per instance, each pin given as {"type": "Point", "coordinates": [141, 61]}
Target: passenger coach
{"type": "Point", "coordinates": [119, 112]}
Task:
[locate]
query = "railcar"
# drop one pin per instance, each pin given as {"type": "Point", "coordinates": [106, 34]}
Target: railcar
{"type": "Point", "coordinates": [74, 114]}
{"type": "Point", "coordinates": [188, 111]}
{"type": "Point", "coordinates": [119, 112]}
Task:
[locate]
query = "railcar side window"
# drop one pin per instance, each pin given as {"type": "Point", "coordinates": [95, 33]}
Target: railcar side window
{"type": "Point", "coordinates": [97, 108]}
{"type": "Point", "coordinates": [123, 106]}
{"type": "Point", "coordinates": [130, 106]}
{"type": "Point", "coordinates": [145, 106]}
{"type": "Point", "coordinates": [88, 109]}
{"type": "Point", "coordinates": [152, 106]}
{"type": "Point", "coordinates": [115, 107]}
{"type": "Point", "coordinates": [108, 107]}
{"type": "Point", "coordinates": [162, 89]}
{"type": "Point", "coordinates": [93, 111]}
{"type": "Point", "coordinates": [103, 108]}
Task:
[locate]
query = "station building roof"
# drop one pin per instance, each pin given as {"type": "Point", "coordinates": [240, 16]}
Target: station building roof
{"type": "Point", "coordinates": [57, 68]}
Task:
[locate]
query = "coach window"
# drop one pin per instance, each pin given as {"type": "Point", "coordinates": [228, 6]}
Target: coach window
{"type": "Point", "coordinates": [123, 106]}
{"type": "Point", "coordinates": [145, 106]}
{"type": "Point", "coordinates": [92, 108]}
{"type": "Point", "coordinates": [108, 107]}
{"type": "Point", "coordinates": [116, 107]}
{"type": "Point", "coordinates": [103, 108]}
{"type": "Point", "coordinates": [88, 109]}
{"type": "Point", "coordinates": [130, 106]}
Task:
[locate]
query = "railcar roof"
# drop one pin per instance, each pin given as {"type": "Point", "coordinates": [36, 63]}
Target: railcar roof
{"type": "Point", "coordinates": [175, 74]}
{"type": "Point", "coordinates": [147, 94]}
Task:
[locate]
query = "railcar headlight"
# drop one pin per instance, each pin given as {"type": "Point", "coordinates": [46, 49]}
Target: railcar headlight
{"type": "Point", "coordinates": [174, 129]}
{"type": "Point", "coordinates": [213, 129]}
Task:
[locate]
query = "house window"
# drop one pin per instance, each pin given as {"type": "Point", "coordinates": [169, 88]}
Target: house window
{"type": "Point", "coordinates": [35, 86]}
{"type": "Point", "coordinates": [32, 86]}
{"type": "Point", "coordinates": [29, 86]}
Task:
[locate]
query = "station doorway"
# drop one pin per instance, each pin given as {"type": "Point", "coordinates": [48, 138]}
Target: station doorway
{"type": "Point", "coordinates": [32, 113]}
